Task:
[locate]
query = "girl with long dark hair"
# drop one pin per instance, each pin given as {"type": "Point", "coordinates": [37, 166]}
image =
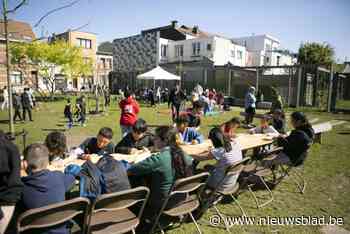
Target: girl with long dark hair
{"type": "Point", "coordinates": [163, 168]}
{"type": "Point", "coordinates": [294, 145]}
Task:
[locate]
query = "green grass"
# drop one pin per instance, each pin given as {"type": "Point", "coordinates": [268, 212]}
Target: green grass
{"type": "Point", "coordinates": [327, 168]}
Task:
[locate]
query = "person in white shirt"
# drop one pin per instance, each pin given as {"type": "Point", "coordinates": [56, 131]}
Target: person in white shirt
{"type": "Point", "coordinates": [5, 103]}
{"type": "Point", "coordinates": [264, 127]}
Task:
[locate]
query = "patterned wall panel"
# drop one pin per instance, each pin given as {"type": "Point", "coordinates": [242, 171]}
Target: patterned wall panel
{"type": "Point", "coordinates": [135, 53]}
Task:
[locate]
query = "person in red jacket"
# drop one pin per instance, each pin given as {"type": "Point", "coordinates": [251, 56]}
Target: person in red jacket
{"type": "Point", "coordinates": [129, 110]}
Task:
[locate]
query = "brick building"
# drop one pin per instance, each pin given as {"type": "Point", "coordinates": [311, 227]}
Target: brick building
{"type": "Point", "coordinates": [20, 75]}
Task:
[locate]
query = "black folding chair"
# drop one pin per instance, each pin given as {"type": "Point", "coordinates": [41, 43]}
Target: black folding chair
{"type": "Point", "coordinates": [189, 189]}
{"type": "Point", "coordinates": [51, 216]}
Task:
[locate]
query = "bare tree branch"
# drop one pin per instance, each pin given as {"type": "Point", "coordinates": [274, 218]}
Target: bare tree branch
{"type": "Point", "coordinates": [17, 7]}
{"type": "Point", "coordinates": [54, 10]}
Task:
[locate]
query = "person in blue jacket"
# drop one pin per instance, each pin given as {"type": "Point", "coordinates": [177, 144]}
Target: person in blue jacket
{"type": "Point", "coordinates": [187, 135]}
{"type": "Point", "coordinates": [43, 187]}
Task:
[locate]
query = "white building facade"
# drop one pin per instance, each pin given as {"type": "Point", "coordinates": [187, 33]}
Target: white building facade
{"type": "Point", "coordinates": [265, 50]}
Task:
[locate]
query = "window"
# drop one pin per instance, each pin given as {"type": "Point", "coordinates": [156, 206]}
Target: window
{"type": "Point", "coordinates": [179, 50]}
{"type": "Point", "coordinates": [208, 47]}
{"type": "Point", "coordinates": [233, 53]}
{"type": "Point", "coordinates": [278, 60]}
{"type": "Point", "coordinates": [239, 54]}
{"type": "Point", "coordinates": [196, 48]}
{"type": "Point", "coordinates": [16, 78]}
{"type": "Point", "coordinates": [267, 59]}
{"type": "Point", "coordinates": [84, 43]}
{"type": "Point", "coordinates": [109, 63]}
{"type": "Point", "coordinates": [103, 61]}
{"type": "Point", "coordinates": [163, 50]}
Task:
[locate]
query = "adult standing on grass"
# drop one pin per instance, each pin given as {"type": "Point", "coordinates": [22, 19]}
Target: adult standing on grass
{"type": "Point", "coordinates": [249, 105]}
{"type": "Point", "coordinates": [17, 105]}
{"type": "Point", "coordinates": [5, 95]}
{"type": "Point", "coordinates": [10, 180]}
{"type": "Point", "coordinates": [27, 104]}
{"type": "Point", "coordinates": [176, 97]}
{"type": "Point", "coordinates": [81, 105]}
{"type": "Point", "coordinates": [129, 110]}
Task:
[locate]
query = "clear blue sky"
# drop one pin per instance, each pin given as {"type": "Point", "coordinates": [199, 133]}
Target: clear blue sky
{"type": "Point", "coordinates": [292, 21]}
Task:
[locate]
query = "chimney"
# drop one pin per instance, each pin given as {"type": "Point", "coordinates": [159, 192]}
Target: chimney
{"type": "Point", "coordinates": [174, 23]}
{"type": "Point", "coordinates": [195, 29]}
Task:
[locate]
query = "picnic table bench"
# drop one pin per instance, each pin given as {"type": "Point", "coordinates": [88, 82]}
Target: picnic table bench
{"type": "Point", "coordinates": [321, 128]}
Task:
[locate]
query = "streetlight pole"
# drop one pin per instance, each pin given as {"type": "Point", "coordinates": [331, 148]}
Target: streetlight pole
{"type": "Point", "coordinates": [9, 85]}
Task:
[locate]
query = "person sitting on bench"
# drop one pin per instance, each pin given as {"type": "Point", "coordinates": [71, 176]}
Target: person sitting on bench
{"type": "Point", "coordinates": [56, 142]}
{"type": "Point", "coordinates": [136, 140]}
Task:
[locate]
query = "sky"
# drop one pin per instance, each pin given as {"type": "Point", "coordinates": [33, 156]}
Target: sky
{"type": "Point", "coordinates": [291, 21]}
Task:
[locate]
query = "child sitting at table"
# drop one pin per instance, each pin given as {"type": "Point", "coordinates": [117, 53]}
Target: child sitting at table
{"type": "Point", "coordinates": [264, 127]}
{"type": "Point", "coordinates": [43, 187]}
{"type": "Point", "coordinates": [56, 142]}
{"type": "Point", "coordinates": [187, 135]}
{"type": "Point", "coordinates": [194, 114]}
{"type": "Point", "coordinates": [170, 164]}
{"type": "Point", "coordinates": [279, 121]}
{"type": "Point", "coordinates": [226, 152]}
{"type": "Point", "coordinates": [295, 144]}
{"type": "Point", "coordinates": [100, 145]}
{"type": "Point", "coordinates": [229, 128]}
{"type": "Point", "coordinates": [136, 140]}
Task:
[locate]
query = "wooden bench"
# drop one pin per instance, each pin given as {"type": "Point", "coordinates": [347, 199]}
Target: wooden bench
{"type": "Point", "coordinates": [321, 128]}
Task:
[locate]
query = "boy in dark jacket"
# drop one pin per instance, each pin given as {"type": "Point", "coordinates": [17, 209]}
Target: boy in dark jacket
{"type": "Point", "coordinates": [43, 187]}
{"type": "Point", "coordinates": [27, 104]}
{"type": "Point", "coordinates": [137, 140]}
{"type": "Point", "coordinates": [101, 145]}
{"type": "Point", "coordinates": [10, 180]}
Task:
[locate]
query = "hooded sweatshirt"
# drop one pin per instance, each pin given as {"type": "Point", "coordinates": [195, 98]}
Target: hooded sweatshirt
{"type": "Point", "coordinates": [44, 188]}
{"type": "Point", "coordinates": [129, 110]}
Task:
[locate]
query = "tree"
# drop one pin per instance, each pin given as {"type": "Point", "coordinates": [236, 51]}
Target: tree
{"type": "Point", "coordinates": [51, 59]}
{"type": "Point", "coordinates": [315, 53]}
{"type": "Point", "coordinates": [106, 46]}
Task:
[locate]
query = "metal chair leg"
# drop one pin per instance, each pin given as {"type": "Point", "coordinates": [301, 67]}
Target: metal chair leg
{"type": "Point", "coordinates": [239, 206]}
{"type": "Point", "coordinates": [222, 217]}
{"type": "Point", "coordinates": [259, 205]}
{"type": "Point", "coordinates": [194, 221]}
{"type": "Point", "coordinates": [300, 185]}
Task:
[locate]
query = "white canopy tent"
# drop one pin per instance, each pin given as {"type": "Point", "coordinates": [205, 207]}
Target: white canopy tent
{"type": "Point", "coordinates": [158, 73]}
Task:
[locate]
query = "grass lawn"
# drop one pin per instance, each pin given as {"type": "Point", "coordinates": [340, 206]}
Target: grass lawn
{"type": "Point", "coordinates": [327, 168]}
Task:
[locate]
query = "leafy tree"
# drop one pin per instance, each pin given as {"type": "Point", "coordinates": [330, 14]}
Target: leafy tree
{"type": "Point", "coordinates": [51, 59]}
{"type": "Point", "coordinates": [315, 53]}
{"type": "Point", "coordinates": [106, 46]}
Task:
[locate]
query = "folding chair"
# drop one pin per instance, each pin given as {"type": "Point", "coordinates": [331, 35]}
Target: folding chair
{"type": "Point", "coordinates": [110, 213]}
{"type": "Point", "coordinates": [234, 170]}
{"type": "Point", "coordinates": [261, 173]}
{"type": "Point", "coordinates": [189, 189]}
{"type": "Point", "coordinates": [298, 169]}
{"type": "Point", "coordinates": [55, 215]}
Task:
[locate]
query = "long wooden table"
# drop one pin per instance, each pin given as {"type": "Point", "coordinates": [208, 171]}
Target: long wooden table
{"type": "Point", "coordinates": [246, 141]}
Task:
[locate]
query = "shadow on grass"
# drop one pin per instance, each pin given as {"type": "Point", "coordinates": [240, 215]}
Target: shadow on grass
{"type": "Point", "coordinates": [4, 121]}
{"type": "Point", "coordinates": [344, 133]}
{"type": "Point", "coordinates": [53, 129]}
